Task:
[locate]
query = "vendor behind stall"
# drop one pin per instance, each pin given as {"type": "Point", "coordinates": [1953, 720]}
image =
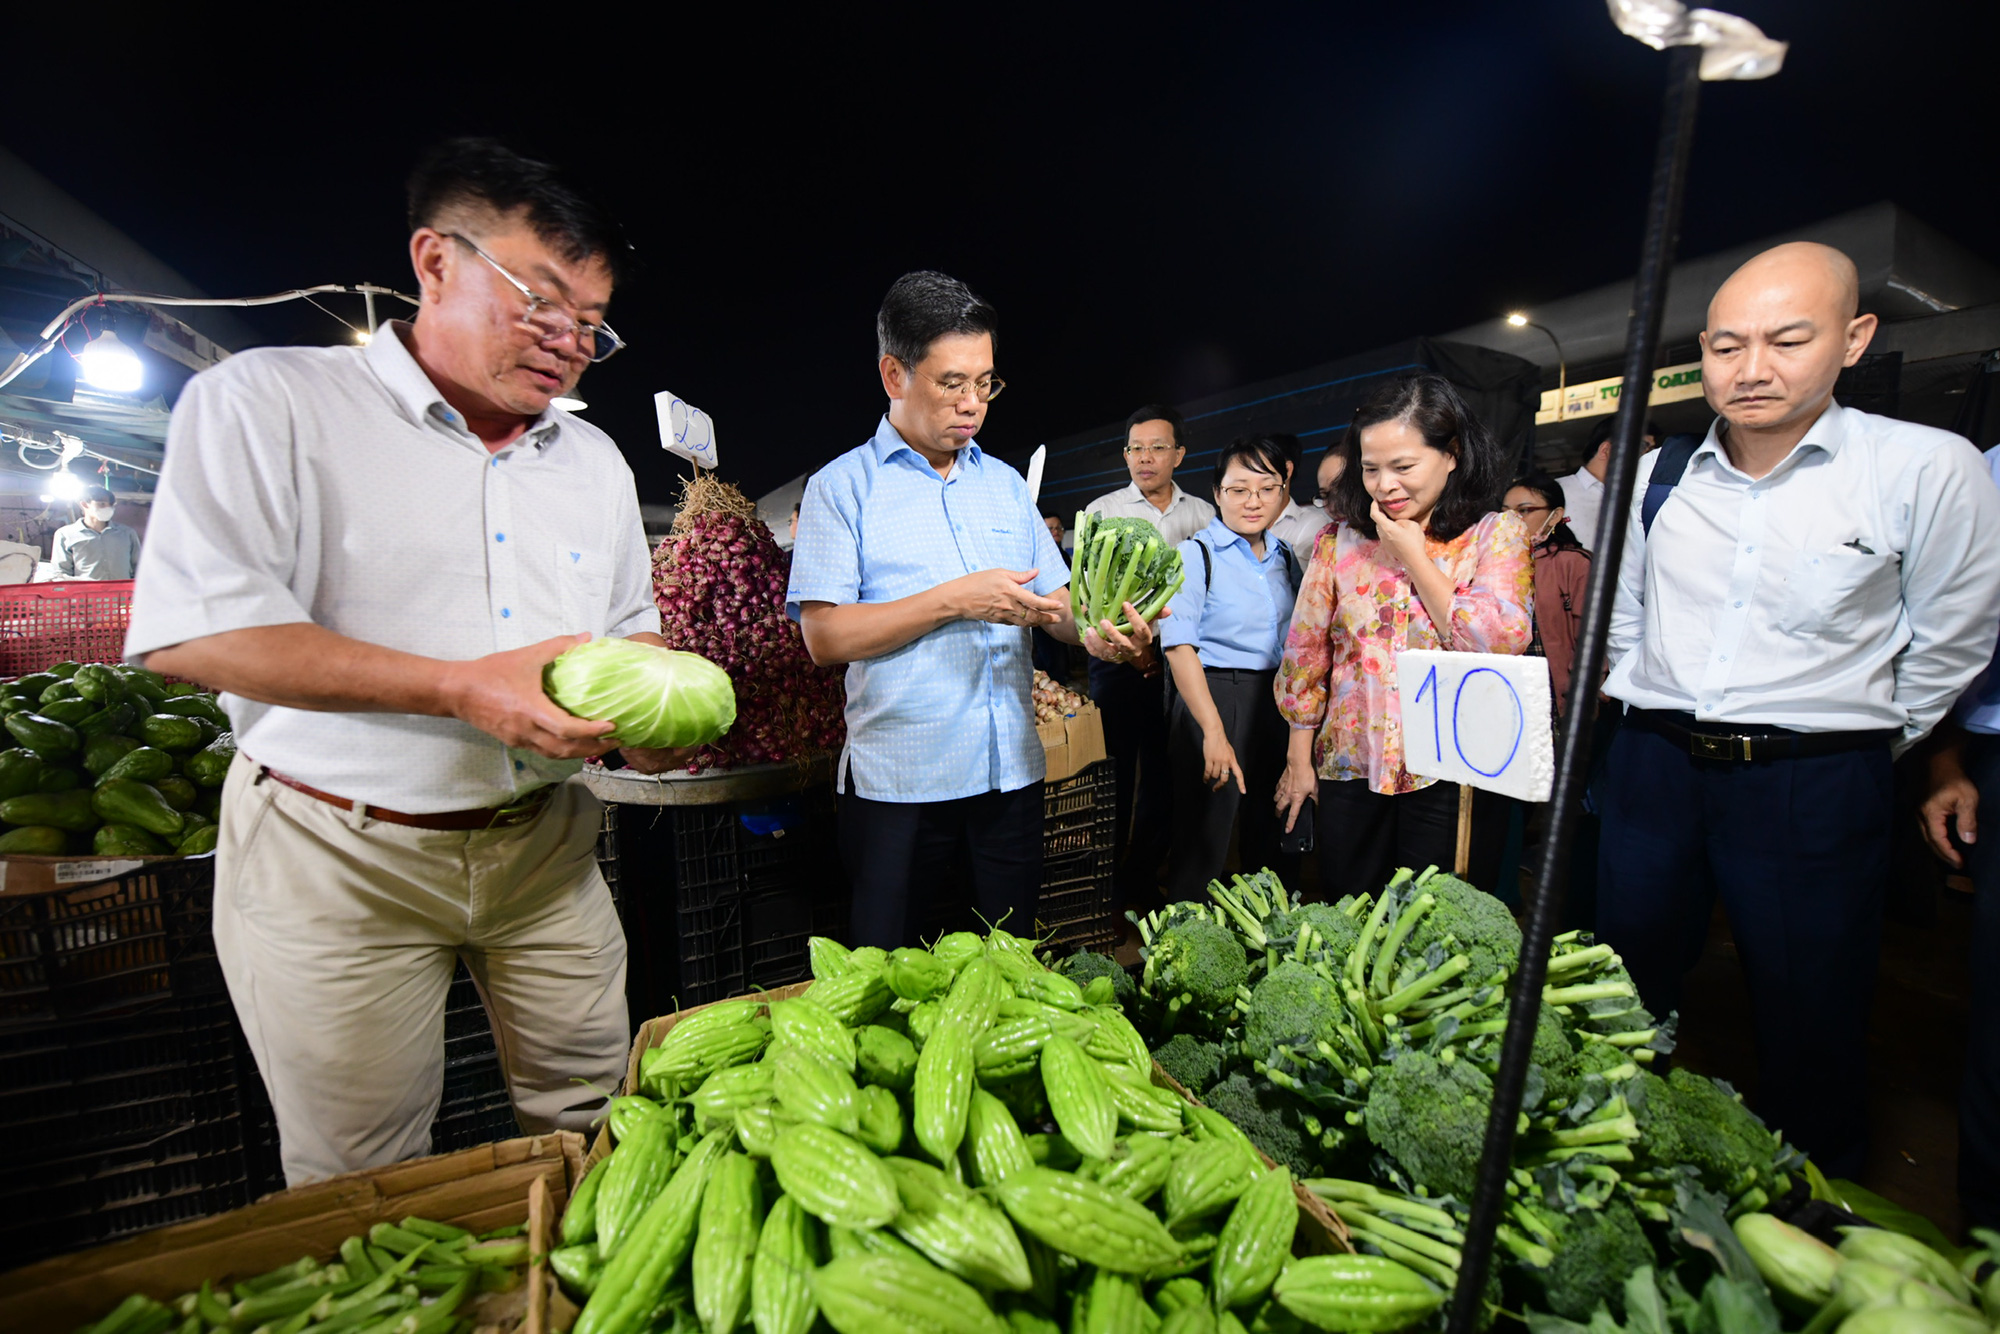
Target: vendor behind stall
{"type": "Point", "coordinates": [375, 551]}
{"type": "Point", "coordinates": [921, 563]}
{"type": "Point", "coordinates": [96, 546]}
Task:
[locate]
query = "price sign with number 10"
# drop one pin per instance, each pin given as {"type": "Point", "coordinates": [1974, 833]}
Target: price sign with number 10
{"type": "Point", "coordinates": [1478, 718]}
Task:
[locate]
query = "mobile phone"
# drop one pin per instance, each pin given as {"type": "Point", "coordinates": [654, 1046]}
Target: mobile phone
{"type": "Point", "coordinates": [1300, 840]}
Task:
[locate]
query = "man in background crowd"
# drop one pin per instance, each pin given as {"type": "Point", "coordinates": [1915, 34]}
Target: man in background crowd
{"type": "Point", "coordinates": [1802, 596]}
{"type": "Point", "coordinates": [95, 546]}
{"type": "Point", "coordinates": [1583, 490]}
{"type": "Point", "coordinates": [1134, 707]}
{"type": "Point", "coordinates": [1296, 525]}
{"type": "Point", "coordinates": [1056, 531]}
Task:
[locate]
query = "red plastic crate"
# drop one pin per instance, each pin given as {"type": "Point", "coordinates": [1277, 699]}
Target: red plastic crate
{"type": "Point", "coordinates": [43, 624]}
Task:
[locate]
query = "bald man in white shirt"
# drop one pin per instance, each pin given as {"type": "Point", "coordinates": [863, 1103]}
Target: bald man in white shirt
{"type": "Point", "coordinates": [1801, 598]}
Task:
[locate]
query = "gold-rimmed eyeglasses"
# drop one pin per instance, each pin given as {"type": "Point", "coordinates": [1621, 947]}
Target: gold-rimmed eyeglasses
{"type": "Point", "coordinates": [548, 319]}
{"type": "Point", "coordinates": [956, 387]}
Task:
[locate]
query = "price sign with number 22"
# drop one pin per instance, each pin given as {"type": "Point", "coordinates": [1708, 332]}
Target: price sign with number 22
{"type": "Point", "coordinates": [1478, 718]}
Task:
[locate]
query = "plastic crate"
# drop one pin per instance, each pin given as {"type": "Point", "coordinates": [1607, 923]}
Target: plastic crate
{"type": "Point", "coordinates": [43, 624]}
{"type": "Point", "coordinates": [111, 945]}
{"type": "Point", "coordinates": [127, 1123]}
{"type": "Point", "coordinates": [1076, 908]}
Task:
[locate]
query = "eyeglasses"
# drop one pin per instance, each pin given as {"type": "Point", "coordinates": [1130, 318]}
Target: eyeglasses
{"type": "Point", "coordinates": [548, 319]}
{"type": "Point", "coordinates": [955, 387]}
{"type": "Point", "coordinates": [1525, 510]}
{"type": "Point", "coordinates": [1236, 495]}
{"type": "Point", "coordinates": [1149, 451]}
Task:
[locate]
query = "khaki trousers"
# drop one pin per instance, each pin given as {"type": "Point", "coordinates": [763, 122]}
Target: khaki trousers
{"type": "Point", "coordinates": [339, 935]}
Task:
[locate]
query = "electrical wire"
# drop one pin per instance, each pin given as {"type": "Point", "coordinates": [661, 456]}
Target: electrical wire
{"type": "Point", "coordinates": [52, 332]}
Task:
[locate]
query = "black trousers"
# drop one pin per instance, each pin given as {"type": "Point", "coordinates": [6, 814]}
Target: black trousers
{"type": "Point", "coordinates": [1361, 836]}
{"type": "Point", "coordinates": [1204, 819]}
{"type": "Point", "coordinates": [1135, 732]}
{"type": "Point", "coordinates": [1979, 1087]}
{"type": "Point", "coordinates": [1799, 851]}
{"type": "Point", "coordinates": [905, 860]}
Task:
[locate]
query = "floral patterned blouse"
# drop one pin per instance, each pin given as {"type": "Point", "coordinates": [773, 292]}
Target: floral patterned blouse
{"type": "Point", "coordinates": [1358, 609]}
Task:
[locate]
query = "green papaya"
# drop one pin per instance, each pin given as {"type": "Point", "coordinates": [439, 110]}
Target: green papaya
{"type": "Point", "coordinates": [100, 685]}
{"type": "Point", "coordinates": [105, 722]}
{"type": "Point", "coordinates": [168, 731]}
{"type": "Point", "coordinates": [124, 840]}
{"type": "Point", "coordinates": [70, 711]}
{"type": "Point", "coordinates": [128, 801]}
{"type": "Point", "coordinates": [20, 773]}
{"type": "Point", "coordinates": [145, 764]}
{"type": "Point", "coordinates": [65, 670]}
{"type": "Point", "coordinates": [101, 752]}
{"type": "Point", "coordinates": [33, 684]}
{"type": "Point", "coordinates": [45, 736]}
{"type": "Point", "coordinates": [200, 839]}
{"type": "Point", "coordinates": [35, 840]}
{"type": "Point", "coordinates": [59, 778]}
{"type": "Point", "coordinates": [209, 766]}
{"type": "Point", "coordinates": [180, 792]}
{"type": "Point", "coordinates": [61, 810]}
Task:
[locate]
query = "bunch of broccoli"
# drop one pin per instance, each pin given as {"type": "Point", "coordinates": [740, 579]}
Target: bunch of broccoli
{"type": "Point", "coordinates": [1120, 561]}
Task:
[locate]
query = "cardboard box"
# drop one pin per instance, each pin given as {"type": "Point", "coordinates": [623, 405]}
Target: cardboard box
{"type": "Point", "coordinates": [1074, 743]}
{"type": "Point", "coordinates": [480, 1189]}
{"type": "Point", "coordinates": [44, 875]}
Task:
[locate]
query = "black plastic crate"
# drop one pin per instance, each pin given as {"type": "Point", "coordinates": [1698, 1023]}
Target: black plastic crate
{"type": "Point", "coordinates": [1079, 813]}
{"type": "Point", "coordinates": [109, 946]}
{"type": "Point", "coordinates": [1077, 906]}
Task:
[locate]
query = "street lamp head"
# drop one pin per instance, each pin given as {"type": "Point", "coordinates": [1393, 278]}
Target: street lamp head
{"type": "Point", "coordinates": [1518, 320]}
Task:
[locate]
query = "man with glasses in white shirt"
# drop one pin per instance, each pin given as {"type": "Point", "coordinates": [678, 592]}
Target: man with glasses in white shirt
{"type": "Point", "coordinates": [1802, 596]}
{"type": "Point", "coordinates": [374, 551]}
{"type": "Point", "coordinates": [1133, 701]}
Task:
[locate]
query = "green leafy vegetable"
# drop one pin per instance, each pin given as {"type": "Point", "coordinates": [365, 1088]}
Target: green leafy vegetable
{"type": "Point", "coordinates": [657, 697]}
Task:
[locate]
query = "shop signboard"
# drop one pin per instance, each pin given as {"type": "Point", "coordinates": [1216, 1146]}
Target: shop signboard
{"type": "Point", "coordinates": [1594, 398]}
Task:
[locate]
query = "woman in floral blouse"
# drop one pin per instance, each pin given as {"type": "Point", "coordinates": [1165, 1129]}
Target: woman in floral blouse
{"type": "Point", "coordinates": [1421, 556]}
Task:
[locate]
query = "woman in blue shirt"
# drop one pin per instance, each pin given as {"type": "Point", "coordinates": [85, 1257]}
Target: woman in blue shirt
{"type": "Point", "coordinates": [1223, 642]}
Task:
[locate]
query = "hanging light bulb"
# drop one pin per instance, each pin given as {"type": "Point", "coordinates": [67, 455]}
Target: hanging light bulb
{"type": "Point", "coordinates": [107, 363]}
{"type": "Point", "coordinates": [66, 485]}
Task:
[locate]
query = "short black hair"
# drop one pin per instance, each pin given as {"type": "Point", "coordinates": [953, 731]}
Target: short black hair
{"type": "Point", "coordinates": [486, 173]}
{"type": "Point", "coordinates": [1599, 433]}
{"type": "Point", "coordinates": [1258, 453]}
{"type": "Point", "coordinates": [1431, 406]}
{"type": "Point", "coordinates": [101, 494]}
{"type": "Point", "coordinates": [925, 306]}
{"type": "Point", "coordinates": [1288, 448]}
{"type": "Point", "coordinates": [1159, 412]}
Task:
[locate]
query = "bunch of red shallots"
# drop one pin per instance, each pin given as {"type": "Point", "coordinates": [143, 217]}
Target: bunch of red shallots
{"type": "Point", "coordinates": [719, 579]}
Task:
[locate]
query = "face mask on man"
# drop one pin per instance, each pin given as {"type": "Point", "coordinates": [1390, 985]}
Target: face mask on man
{"type": "Point", "coordinates": [102, 513]}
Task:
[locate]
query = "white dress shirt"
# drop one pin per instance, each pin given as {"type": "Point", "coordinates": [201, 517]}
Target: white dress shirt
{"type": "Point", "coordinates": [1856, 587]}
{"type": "Point", "coordinates": [1299, 528]}
{"type": "Point", "coordinates": [1583, 500]}
{"type": "Point", "coordinates": [336, 486]}
{"type": "Point", "coordinates": [1184, 517]}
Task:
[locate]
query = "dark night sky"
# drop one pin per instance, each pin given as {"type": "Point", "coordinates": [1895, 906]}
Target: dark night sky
{"type": "Point", "coordinates": [1162, 201]}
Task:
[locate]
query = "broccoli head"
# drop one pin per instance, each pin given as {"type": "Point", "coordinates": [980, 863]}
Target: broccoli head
{"type": "Point", "coordinates": [1595, 1250]}
{"type": "Point", "coordinates": [1688, 1118]}
{"type": "Point", "coordinates": [1193, 970]}
{"type": "Point", "coordinates": [1429, 1114]}
{"type": "Point", "coordinates": [1291, 1011]}
{"type": "Point", "coordinates": [1283, 1126]}
{"type": "Point", "coordinates": [1478, 926]}
{"type": "Point", "coordinates": [1086, 966]}
{"type": "Point", "coordinates": [1195, 1062]}
{"type": "Point", "coordinates": [1337, 931]}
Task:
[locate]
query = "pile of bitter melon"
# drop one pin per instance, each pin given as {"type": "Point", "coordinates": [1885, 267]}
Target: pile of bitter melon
{"type": "Point", "coordinates": [941, 1141]}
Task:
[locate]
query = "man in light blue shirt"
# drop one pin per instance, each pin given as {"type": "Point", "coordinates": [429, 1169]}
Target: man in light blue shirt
{"type": "Point", "coordinates": [921, 562]}
{"type": "Point", "coordinates": [1964, 771]}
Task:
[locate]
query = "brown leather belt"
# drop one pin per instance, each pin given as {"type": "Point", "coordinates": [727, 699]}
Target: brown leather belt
{"type": "Point", "coordinates": [510, 816]}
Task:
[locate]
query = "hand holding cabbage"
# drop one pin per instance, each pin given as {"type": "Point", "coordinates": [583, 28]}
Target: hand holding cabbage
{"type": "Point", "coordinates": [656, 698]}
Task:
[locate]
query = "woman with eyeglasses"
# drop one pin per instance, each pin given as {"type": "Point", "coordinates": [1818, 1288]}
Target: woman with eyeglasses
{"type": "Point", "coordinates": [1421, 557]}
{"type": "Point", "coordinates": [1562, 569]}
{"type": "Point", "coordinates": [1223, 642]}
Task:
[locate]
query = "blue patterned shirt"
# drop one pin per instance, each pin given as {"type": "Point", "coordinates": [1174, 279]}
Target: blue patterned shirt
{"type": "Point", "coordinates": [947, 715]}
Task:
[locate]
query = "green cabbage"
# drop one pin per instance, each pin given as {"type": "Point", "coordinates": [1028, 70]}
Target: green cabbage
{"type": "Point", "coordinates": [658, 697]}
